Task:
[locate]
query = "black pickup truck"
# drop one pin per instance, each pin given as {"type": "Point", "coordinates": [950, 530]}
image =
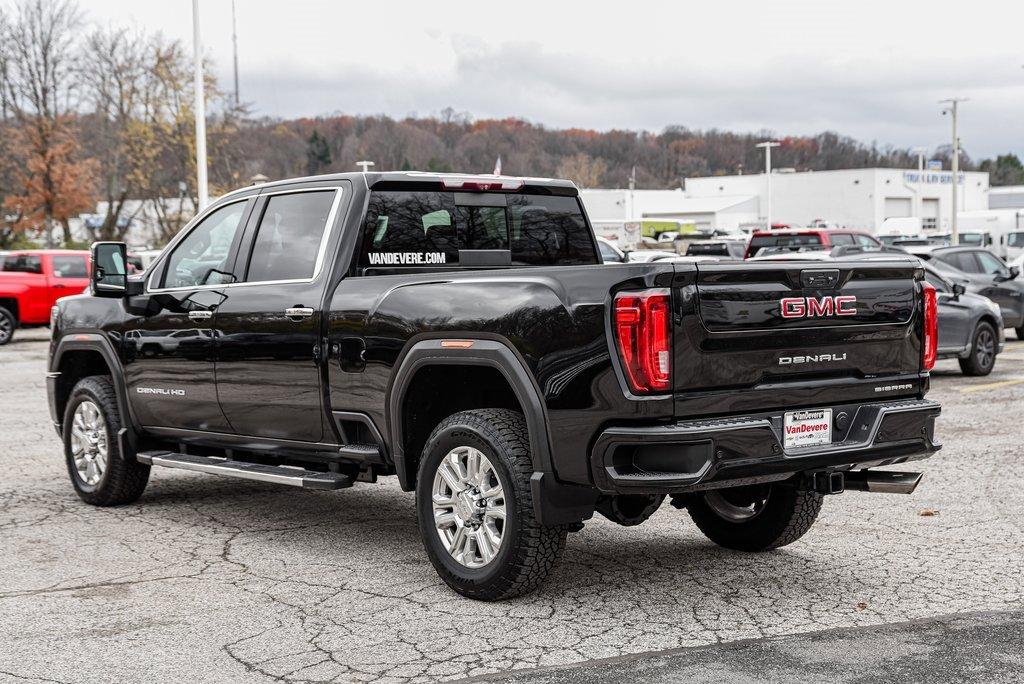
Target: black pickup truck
{"type": "Point", "coordinates": [462, 334]}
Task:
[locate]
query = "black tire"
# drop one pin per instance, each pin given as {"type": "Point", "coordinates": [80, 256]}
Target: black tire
{"type": "Point", "coordinates": [785, 514]}
{"type": "Point", "coordinates": [982, 355]}
{"type": "Point", "coordinates": [1020, 332]}
{"type": "Point", "coordinates": [8, 324]}
{"type": "Point", "coordinates": [123, 479]}
{"type": "Point", "coordinates": [528, 550]}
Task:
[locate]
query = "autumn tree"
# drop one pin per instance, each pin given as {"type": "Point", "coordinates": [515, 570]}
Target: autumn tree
{"type": "Point", "coordinates": [38, 90]}
{"type": "Point", "coordinates": [583, 170]}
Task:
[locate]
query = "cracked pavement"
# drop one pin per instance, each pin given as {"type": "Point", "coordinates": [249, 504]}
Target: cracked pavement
{"type": "Point", "coordinates": [208, 579]}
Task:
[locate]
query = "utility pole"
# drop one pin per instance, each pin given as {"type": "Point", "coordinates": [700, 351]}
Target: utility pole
{"type": "Point", "coordinates": [629, 199]}
{"type": "Point", "coordinates": [200, 107]}
{"type": "Point", "coordinates": [952, 110]}
{"type": "Point", "coordinates": [234, 45]}
{"type": "Point", "coordinates": [768, 145]}
{"type": "Point", "coordinates": [365, 165]}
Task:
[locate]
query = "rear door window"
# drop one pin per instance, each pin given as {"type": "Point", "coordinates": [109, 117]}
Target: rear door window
{"type": "Point", "coordinates": [70, 267]}
{"type": "Point", "coordinates": [290, 236]}
{"type": "Point", "coordinates": [841, 239]}
{"type": "Point", "coordinates": [963, 261]}
{"type": "Point", "coordinates": [411, 228]}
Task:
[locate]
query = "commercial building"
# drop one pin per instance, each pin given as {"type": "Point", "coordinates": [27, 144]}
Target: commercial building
{"type": "Point", "coordinates": [1006, 197]}
{"type": "Point", "coordinates": [852, 198]}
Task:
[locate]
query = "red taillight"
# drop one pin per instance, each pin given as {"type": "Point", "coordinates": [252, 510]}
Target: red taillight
{"type": "Point", "coordinates": [931, 327]}
{"type": "Point", "coordinates": [643, 332]}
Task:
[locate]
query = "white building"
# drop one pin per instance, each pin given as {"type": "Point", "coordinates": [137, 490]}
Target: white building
{"type": "Point", "coordinates": [854, 198]}
{"type": "Point", "coordinates": [1006, 197]}
{"type": "Point", "coordinates": [615, 206]}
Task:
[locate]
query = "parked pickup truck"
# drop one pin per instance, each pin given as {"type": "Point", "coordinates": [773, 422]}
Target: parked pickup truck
{"type": "Point", "coordinates": [32, 281]}
{"type": "Point", "coordinates": [461, 334]}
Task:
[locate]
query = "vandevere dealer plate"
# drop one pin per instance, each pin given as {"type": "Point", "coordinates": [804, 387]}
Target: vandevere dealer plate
{"type": "Point", "coordinates": [807, 428]}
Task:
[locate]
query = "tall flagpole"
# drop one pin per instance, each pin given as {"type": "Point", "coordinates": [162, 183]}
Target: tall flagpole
{"type": "Point", "coordinates": [200, 107]}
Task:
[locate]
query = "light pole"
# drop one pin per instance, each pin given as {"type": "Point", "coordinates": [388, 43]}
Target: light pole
{"type": "Point", "coordinates": [200, 107]}
{"type": "Point", "coordinates": [952, 110]}
{"type": "Point", "coordinates": [768, 145]}
{"type": "Point", "coordinates": [365, 165]}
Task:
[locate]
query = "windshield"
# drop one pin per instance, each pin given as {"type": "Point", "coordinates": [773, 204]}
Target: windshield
{"type": "Point", "coordinates": [1015, 239]}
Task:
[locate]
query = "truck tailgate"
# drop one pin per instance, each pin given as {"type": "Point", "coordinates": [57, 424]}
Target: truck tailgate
{"type": "Point", "coordinates": [795, 333]}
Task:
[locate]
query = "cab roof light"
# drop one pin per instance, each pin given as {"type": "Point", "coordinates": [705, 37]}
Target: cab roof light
{"type": "Point", "coordinates": [482, 183]}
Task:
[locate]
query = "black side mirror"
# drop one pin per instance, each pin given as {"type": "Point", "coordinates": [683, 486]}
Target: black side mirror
{"type": "Point", "coordinates": [958, 289]}
{"type": "Point", "coordinates": [1014, 272]}
{"type": "Point", "coordinates": [109, 270]}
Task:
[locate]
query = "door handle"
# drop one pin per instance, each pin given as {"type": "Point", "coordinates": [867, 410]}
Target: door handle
{"type": "Point", "coordinates": [200, 315]}
{"type": "Point", "coordinates": [297, 312]}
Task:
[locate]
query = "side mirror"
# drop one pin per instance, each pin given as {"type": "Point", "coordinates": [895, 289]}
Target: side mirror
{"type": "Point", "coordinates": [109, 270]}
{"type": "Point", "coordinates": [1014, 272]}
{"type": "Point", "coordinates": [958, 289]}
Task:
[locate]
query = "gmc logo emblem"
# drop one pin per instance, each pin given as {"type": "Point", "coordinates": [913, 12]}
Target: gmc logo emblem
{"type": "Point", "coordinates": [812, 307]}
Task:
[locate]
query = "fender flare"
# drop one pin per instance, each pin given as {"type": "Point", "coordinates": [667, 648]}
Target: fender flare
{"type": "Point", "coordinates": [98, 343]}
{"type": "Point", "coordinates": [483, 352]}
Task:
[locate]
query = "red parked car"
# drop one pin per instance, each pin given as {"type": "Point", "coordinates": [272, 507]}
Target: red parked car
{"type": "Point", "coordinates": [795, 238]}
{"type": "Point", "coordinates": [31, 282]}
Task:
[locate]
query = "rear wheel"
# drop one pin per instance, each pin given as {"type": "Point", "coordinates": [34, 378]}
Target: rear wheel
{"type": "Point", "coordinates": [983, 351]}
{"type": "Point", "coordinates": [475, 507]}
{"type": "Point", "coordinates": [99, 474]}
{"type": "Point", "coordinates": [7, 325]}
{"type": "Point", "coordinates": [756, 517]}
{"type": "Point", "coordinates": [1020, 332]}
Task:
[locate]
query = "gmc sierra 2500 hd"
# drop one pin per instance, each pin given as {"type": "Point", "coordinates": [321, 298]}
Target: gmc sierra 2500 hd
{"type": "Point", "coordinates": [462, 334]}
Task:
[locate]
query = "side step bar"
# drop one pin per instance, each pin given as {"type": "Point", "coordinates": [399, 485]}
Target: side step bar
{"type": "Point", "coordinates": [288, 475]}
{"type": "Point", "coordinates": [882, 481]}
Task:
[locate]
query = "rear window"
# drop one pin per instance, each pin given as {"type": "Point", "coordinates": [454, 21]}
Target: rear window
{"type": "Point", "coordinates": [23, 263]}
{"type": "Point", "coordinates": [793, 242]}
{"type": "Point", "coordinates": [409, 228]}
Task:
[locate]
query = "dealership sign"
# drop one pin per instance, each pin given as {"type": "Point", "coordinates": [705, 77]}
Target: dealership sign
{"type": "Point", "coordinates": [939, 177]}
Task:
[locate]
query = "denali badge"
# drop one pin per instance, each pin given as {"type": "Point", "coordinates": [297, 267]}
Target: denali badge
{"type": "Point", "coordinates": [810, 358]}
{"type": "Point", "coordinates": [161, 390]}
{"type": "Point", "coordinates": [813, 307]}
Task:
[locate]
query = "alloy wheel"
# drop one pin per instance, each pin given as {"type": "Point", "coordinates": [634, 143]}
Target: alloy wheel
{"type": "Point", "coordinates": [985, 348]}
{"type": "Point", "coordinates": [89, 442]}
{"type": "Point", "coordinates": [469, 507]}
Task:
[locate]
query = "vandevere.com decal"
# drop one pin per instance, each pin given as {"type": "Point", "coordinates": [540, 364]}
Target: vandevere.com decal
{"type": "Point", "coordinates": [407, 258]}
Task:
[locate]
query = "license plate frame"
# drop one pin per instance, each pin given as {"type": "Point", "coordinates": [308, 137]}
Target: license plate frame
{"type": "Point", "coordinates": [806, 428]}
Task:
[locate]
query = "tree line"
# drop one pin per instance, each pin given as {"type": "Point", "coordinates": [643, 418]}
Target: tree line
{"type": "Point", "coordinates": [104, 115]}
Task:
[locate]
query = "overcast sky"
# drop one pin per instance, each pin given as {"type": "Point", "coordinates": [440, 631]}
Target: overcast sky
{"type": "Point", "coordinates": [872, 70]}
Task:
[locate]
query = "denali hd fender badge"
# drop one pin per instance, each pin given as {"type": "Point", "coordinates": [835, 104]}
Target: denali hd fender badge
{"type": "Point", "coordinates": [810, 358]}
{"type": "Point", "coordinates": [161, 391]}
{"type": "Point", "coordinates": [815, 307]}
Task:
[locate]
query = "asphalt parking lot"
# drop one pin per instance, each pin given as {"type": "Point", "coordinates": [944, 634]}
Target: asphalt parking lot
{"type": "Point", "coordinates": [213, 580]}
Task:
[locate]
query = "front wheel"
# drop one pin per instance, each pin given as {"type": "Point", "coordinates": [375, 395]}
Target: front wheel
{"type": "Point", "coordinates": [755, 517]}
{"type": "Point", "coordinates": [982, 353]}
{"type": "Point", "coordinates": [475, 507]}
{"type": "Point", "coordinates": [99, 473]}
{"type": "Point", "coordinates": [1020, 332]}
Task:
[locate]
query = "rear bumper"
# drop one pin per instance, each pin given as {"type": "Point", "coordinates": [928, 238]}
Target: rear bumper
{"type": "Point", "coordinates": [706, 454]}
